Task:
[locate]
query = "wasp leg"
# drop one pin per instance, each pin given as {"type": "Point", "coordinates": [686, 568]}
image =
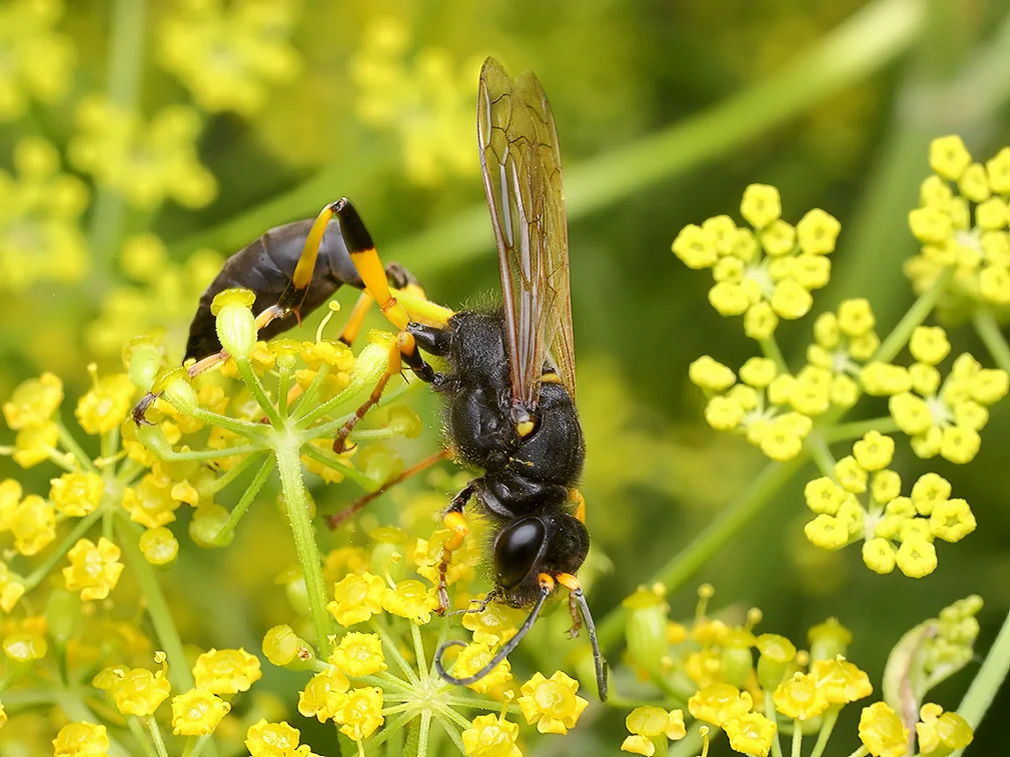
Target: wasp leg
{"type": "Point", "coordinates": [357, 318]}
{"type": "Point", "coordinates": [456, 523]}
{"type": "Point", "coordinates": [338, 519]}
{"type": "Point", "coordinates": [404, 350]}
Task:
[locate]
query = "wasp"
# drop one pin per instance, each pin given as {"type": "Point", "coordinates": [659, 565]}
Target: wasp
{"type": "Point", "coordinates": [509, 380]}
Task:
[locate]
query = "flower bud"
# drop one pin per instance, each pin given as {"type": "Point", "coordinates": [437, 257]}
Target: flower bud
{"type": "Point", "coordinates": [380, 463]}
{"type": "Point", "coordinates": [283, 647]}
{"type": "Point", "coordinates": [646, 628]}
{"type": "Point", "coordinates": [159, 546]}
{"type": "Point", "coordinates": [143, 360]}
{"type": "Point", "coordinates": [298, 595]}
{"type": "Point", "coordinates": [63, 615]}
{"type": "Point", "coordinates": [205, 527]}
{"type": "Point", "coordinates": [404, 421]}
{"type": "Point", "coordinates": [828, 640]}
{"type": "Point", "coordinates": [236, 325]}
{"type": "Point", "coordinates": [177, 391]}
{"type": "Point", "coordinates": [153, 437]}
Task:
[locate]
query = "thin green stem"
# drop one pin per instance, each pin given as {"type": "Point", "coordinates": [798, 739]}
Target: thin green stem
{"type": "Point", "coordinates": [390, 728]}
{"type": "Point", "coordinates": [296, 505]}
{"type": "Point", "coordinates": [797, 739]}
{"type": "Point", "coordinates": [392, 649]}
{"type": "Point", "coordinates": [770, 348]}
{"type": "Point", "coordinates": [331, 427]}
{"type": "Point", "coordinates": [156, 737]}
{"type": "Point", "coordinates": [248, 429]}
{"type": "Point", "coordinates": [212, 454]}
{"type": "Point", "coordinates": [26, 698]}
{"type": "Point", "coordinates": [728, 524]}
{"type": "Point", "coordinates": [331, 461]}
{"type": "Point", "coordinates": [424, 733]}
{"type": "Point", "coordinates": [40, 573]}
{"type": "Point", "coordinates": [861, 752]}
{"type": "Point", "coordinates": [770, 714]}
{"type": "Point", "coordinates": [451, 731]}
{"type": "Point", "coordinates": [818, 449]}
{"type": "Point", "coordinates": [283, 386]}
{"type": "Point", "coordinates": [825, 734]}
{"type": "Point", "coordinates": [194, 745]}
{"type": "Point", "coordinates": [991, 335]}
{"type": "Point", "coordinates": [234, 472]}
{"type": "Point", "coordinates": [251, 380]}
{"type": "Point", "coordinates": [224, 535]}
{"type": "Point", "coordinates": [856, 429]}
{"type": "Point", "coordinates": [988, 681]}
{"type": "Point", "coordinates": [70, 444]}
{"type": "Point", "coordinates": [309, 395]}
{"type": "Point", "coordinates": [415, 634]}
{"type": "Point", "coordinates": [179, 672]}
{"type": "Point", "coordinates": [453, 715]}
{"type": "Point", "coordinates": [141, 736]}
{"type": "Point", "coordinates": [916, 314]}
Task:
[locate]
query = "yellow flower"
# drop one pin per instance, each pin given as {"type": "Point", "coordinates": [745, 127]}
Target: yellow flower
{"type": "Point", "coordinates": [427, 103]}
{"type": "Point", "coordinates": [951, 520]}
{"type": "Point", "coordinates": [146, 162]}
{"type": "Point", "coordinates": [491, 736]}
{"type": "Point", "coordinates": [34, 401]}
{"type": "Point", "coordinates": [81, 740]}
{"type": "Point", "coordinates": [11, 588]}
{"type": "Point", "coordinates": [710, 374]}
{"type": "Point", "coordinates": [494, 625]}
{"type": "Point", "coordinates": [839, 681]}
{"type": "Point", "coordinates": [752, 733]}
{"type": "Point", "coordinates": [34, 444]}
{"type": "Point", "coordinates": [159, 545]}
{"type": "Point", "coordinates": [197, 712]}
{"type": "Point", "coordinates": [824, 496]}
{"type": "Point", "coordinates": [360, 713]}
{"type": "Point", "coordinates": [719, 702]}
{"type": "Point", "coordinates": [25, 646]}
{"type": "Point", "coordinates": [817, 232]}
{"type": "Point", "coordinates": [228, 55]}
{"type": "Point", "coordinates": [265, 739]}
{"type": "Point", "coordinates": [38, 60]}
{"type": "Point", "coordinates": [323, 695]}
{"type": "Point", "coordinates": [105, 406]}
{"type": "Point", "coordinates": [150, 502]}
{"type": "Point", "coordinates": [33, 525]}
{"type": "Point", "coordinates": [879, 555]}
{"type": "Point", "coordinates": [551, 703]}
{"type": "Point", "coordinates": [874, 451]}
{"type": "Point", "coordinates": [10, 498]}
{"type": "Point", "coordinates": [761, 205]}
{"type": "Point", "coordinates": [475, 656]}
{"type": "Point", "coordinates": [359, 654]}
{"type": "Point", "coordinates": [916, 558]}
{"type": "Point", "coordinates": [140, 692]}
{"type": "Point", "coordinates": [357, 598]}
{"type": "Point", "coordinates": [799, 697]}
{"type": "Point", "coordinates": [410, 599]}
{"type": "Point", "coordinates": [76, 494]}
{"type": "Point", "coordinates": [226, 671]}
{"type": "Point", "coordinates": [940, 731]}
{"type": "Point", "coordinates": [647, 724]}
{"type": "Point", "coordinates": [881, 731]}
{"type": "Point", "coordinates": [94, 569]}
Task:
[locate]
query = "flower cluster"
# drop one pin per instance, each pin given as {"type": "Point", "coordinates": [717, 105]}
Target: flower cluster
{"type": "Point", "coordinates": [961, 223]}
{"type": "Point", "coordinates": [753, 685]}
{"type": "Point", "coordinates": [427, 102]}
{"type": "Point", "coordinates": [37, 59]}
{"type": "Point", "coordinates": [40, 212]}
{"type": "Point", "coordinates": [765, 272]}
{"type": "Point", "coordinates": [146, 162]}
{"type": "Point", "coordinates": [861, 499]}
{"type": "Point", "coordinates": [229, 54]}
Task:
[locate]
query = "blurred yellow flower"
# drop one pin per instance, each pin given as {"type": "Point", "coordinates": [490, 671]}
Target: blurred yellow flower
{"type": "Point", "coordinates": [226, 671]}
{"type": "Point", "coordinates": [81, 740]}
{"type": "Point", "coordinates": [197, 712]}
{"type": "Point", "coordinates": [94, 569]}
{"type": "Point", "coordinates": [37, 60]}
{"type": "Point", "coordinates": [881, 731]}
{"type": "Point", "coordinates": [491, 736]}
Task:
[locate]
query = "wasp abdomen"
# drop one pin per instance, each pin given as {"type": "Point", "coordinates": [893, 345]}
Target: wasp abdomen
{"type": "Point", "coordinates": [265, 267]}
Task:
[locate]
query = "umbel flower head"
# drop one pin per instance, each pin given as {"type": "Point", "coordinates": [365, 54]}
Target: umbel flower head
{"type": "Point", "coordinates": [38, 59]}
{"type": "Point", "coordinates": [765, 272]}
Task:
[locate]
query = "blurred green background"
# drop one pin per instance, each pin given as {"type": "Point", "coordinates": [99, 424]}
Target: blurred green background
{"type": "Point", "coordinates": [665, 112]}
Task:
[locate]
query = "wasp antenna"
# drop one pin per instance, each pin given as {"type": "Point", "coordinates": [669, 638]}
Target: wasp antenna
{"type": "Point", "coordinates": [504, 652]}
{"type": "Point", "coordinates": [601, 664]}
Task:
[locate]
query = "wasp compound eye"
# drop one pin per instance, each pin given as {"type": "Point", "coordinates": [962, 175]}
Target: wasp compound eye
{"type": "Point", "coordinates": [516, 550]}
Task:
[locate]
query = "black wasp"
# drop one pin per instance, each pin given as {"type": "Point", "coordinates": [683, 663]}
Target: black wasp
{"type": "Point", "coordinates": [509, 389]}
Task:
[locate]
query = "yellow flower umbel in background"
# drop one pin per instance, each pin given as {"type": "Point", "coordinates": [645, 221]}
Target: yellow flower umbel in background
{"type": "Point", "coordinates": [37, 59]}
{"type": "Point", "coordinates": [40, 214]}
{"type": "Point", "coordinates": [229, 55]}
{"type": "Point", "coordinates": [426, 102]}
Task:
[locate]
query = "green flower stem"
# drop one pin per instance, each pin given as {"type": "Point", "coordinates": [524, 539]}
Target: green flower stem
{"type": "Point", "coordinates": [248, 429]}
{"type": "Point", "coordinates": [70, 444]}
{"type": "Point", "coordinates": [194, 745]}
{"type": "Point", "coordinates": [452, 715]}
{"type": "Point", "coordinates": [728, 524]}
{"type": "Point", "coordinates": [156, 737]}
{"type": "Point", "coordinates": [126, 58]}
{"type": "Point", "coordinates": [234, 472]}
{"type": "Point", "coordinates": [296, 506]}
{"type": "Point", "coordinates": [332, 461]}
{"type": "Point", "coordinates": [415, 635]}
{"type": "Point", "coordinates": [389, 729]}
{"type": "Point", "coordinates": [141, 737]}
{"type": "Point", "coordinates": [770, 348]}
{"type": "Point", "coordinates": [391, 647]}
{"type": "Point", "coordinates": [211, 454]}
{"type": "Point", "coordinates": [251, 380]}
{"type": "Point", "coordinates": [861, 752]}
{"type": "Point", "coordinates": [770, 714]}
{"type": "Point", "coordinates": [918, 313]}
{"type": "Point", "coordinates": [451, 731]}
{"type": "Point", "coordinates": [424, 733]}
{"type": "Point", "coordinates": [179, 672]}
{"type": "Point", "coordinates": [818, 449]}
{"type": "Point", "coordinates": [825, 734]}
{"type": "Point", "coordinates": [988, 681]}
{"type": "Point", "coordinates": [26, 698]}
{"type": "Point", "coordinates": [690, 745]}
{"type": "Point", "coordinates": [309, 395]}
{"type": "Point", "coordinates": [224, 535]}
{"type": "Point", "coordinates": [856, 429]}
{"type": "Point", "coordinates": [990, 334]}
{"type": "Point", "coordinates": [797, 739]}
{"type": "Point", "coordinates": [41, 572]}
{"type": "Point", "coordinates": [344, 398]}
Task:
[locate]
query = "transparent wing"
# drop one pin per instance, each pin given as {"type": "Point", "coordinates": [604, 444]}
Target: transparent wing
{"type": "Point", "coordinates": [521, 166]}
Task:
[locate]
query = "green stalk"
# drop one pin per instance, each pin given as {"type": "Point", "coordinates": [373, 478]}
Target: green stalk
{"type": "Point", "coordinates": [251, 380]}
{"type": "Point", "coordinates": [826, 728]}
{"type": "Point", "coordinates": [141, 737]}
{"type": "Point", "coordinates": [990, 334]}
{"type": "Point", "coordinates": [730, 522]}
{"type": "Point", "coordinates": [797, 739]}
{"type": "Point", "coordinates": [70, 444]}
{"type": "Point", "coordinates": [916, 314]}
{"type": "Point", "coordinates": [770, 348]}
{"type": "Point", "coordinates": [297, 508]}
{"type": "Point", "coordinates": [156, 737]}
{"type": "Point", "coordinates": [770, 714]}
{"type": "Point", "coordinates": [126, 58]}
{"type": "Point", "coordinates": [424, 733]}
{"type": "Point", "coordinates": [331, 461]}
{"type": "Point", "coordinates": [210, 454]}
{"type": "Point", "coordinates": [157, 607]}
{"type": "Point", "coordinates": [41, 572]}
{"type": "Point", "coordinates": [247, 498]}
{"type": "Point", "coordinates": [988, 681]}
{"type": "Point", "coordinates": [856, 429]}
{"type": "Point", "coordinates": [235, 471]}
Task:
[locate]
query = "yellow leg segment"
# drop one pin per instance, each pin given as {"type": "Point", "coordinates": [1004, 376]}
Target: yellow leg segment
{"type": "Point", "coordinates": [357, 318]}
{"type": "Point", "coordinates": [374, 276]}
{"type": "Point", "coordinates": [459, 530]}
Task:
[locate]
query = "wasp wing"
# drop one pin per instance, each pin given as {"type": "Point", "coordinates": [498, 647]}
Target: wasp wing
{"type": "Point", "coordinates": [521, 166]}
